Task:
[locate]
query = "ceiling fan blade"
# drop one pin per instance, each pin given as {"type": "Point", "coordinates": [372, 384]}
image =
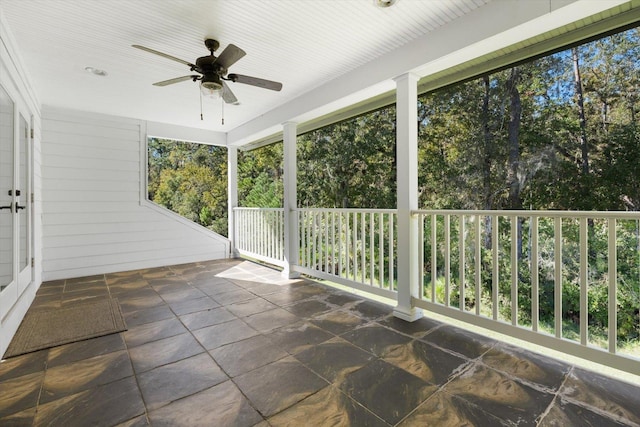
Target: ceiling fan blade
{"type": "Point", "coordinates": [155, 52]}
{"type": "Point", "coordinates": [228, 96]}
{"type": "Point", "coordinates": [175, 80]}
{"type": "Point", "coordinates": [230, 55]}
{"type": "Point", "coordinates": [255, 81]}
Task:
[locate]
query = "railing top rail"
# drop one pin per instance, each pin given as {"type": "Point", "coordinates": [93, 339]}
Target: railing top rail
{"type": "Point", "coordinates": [241, 208]}
{"type": "Point", "coordinates": [345, 210]}
{"type": "Point", "coordinates": [533, 213]}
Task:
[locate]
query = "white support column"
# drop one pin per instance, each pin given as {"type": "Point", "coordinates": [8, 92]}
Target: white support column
{"type": "Point", "coordinates": [290, 134]}
{"type": "Point", "coordinates": [232, 187]}
{"type": "Point", "coordinates": [407, 196]}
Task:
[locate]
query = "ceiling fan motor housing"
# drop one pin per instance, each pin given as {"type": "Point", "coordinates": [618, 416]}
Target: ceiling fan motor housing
{"type": "Point", "coordinates": [211, 81]}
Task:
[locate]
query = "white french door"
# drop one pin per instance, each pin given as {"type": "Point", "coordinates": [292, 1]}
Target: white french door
{"type": "Point", "coordinates": [16, 209]}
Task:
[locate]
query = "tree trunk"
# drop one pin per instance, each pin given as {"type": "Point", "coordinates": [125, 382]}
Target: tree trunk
{"type": "Point", "coordinates": [515, 113]}
{"type": "Point", "coordinates": [584, 148]}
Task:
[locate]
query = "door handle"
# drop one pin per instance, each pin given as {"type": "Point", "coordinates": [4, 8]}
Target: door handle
{"type": "Point", "coordinates": [19, 207]}
{"type": "Point", "coordinates": [10, 207]}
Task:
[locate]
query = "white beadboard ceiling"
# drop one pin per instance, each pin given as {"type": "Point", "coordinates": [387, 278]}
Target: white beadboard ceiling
{"type": "Point", "coordinates": [301, 43]}
{"type": "Point", "coordinates": [312, 46]}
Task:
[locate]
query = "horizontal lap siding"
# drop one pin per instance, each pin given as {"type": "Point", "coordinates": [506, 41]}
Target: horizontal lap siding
{"type": "Point", "coordinates": [93, 219]}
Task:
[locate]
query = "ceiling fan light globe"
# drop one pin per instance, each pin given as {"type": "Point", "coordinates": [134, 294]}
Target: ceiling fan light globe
{"type": "Point", "coordinates": [211, 89]}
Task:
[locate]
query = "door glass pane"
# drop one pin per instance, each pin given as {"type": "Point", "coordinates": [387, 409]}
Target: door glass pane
{"type": "Point", "coordinates": [6, 184]}
{"type": "Point", "coordinates": [23, 197]}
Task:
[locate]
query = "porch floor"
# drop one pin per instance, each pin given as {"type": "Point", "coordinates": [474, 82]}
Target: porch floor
{"type": "Point", "coordinates": [230, 343]}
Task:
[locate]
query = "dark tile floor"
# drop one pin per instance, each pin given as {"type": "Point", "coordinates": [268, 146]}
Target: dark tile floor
{"type": "Point", "coordinates": [230, 343]}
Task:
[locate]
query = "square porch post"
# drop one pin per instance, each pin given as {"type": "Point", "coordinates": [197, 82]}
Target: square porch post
{"type": "Point", "coordinates": [407, 195]}
{"type": "Point", "coordinates": [290, 134]}
{"type": "Point", "coordinates": [232, 188]}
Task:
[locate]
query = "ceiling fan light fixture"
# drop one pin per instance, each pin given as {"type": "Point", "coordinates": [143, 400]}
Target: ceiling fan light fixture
{"type": "Point", "coordinates": [211, 86]}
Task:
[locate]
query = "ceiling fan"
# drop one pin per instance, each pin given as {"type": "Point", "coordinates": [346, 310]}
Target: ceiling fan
{"type": "Point", "coordinates": [212, 71]}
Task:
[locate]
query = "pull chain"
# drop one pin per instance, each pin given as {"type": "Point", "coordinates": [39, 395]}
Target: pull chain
{"type": "Point", "coordinates": [200, 92]}
{"type": "Point", "coordinates": [222, 100]}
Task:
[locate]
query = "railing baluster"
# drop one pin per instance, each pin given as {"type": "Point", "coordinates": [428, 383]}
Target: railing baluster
{"type": "Point", "coordinates": [584, 277]}
{"type": "Point", "coordinates": [515, 241]}
{"type": "Point", "coordinates": [348, 245]}
{"type": "Point", "coordinates": [557, 298]}
{"type": "Point", "coordinates": [381, 250]}
{"type": "Point", "coordinates": [372, 249]}
{"type": "Point", "coordinates": [495, 258]}
{"type": "Point", "coordinates": [612, 255]}
{"type": "Point", "coordinates": [478, 264]}
{"type": "Point", "coordinates": [461, 248]}
{"type": "Point", "coordinates": [434, 256]}
{"type": "Point", "coordinates": [355, 246]}
{"type": "Point", "coordinates": [447, 260]}
{"type": "Point", "coordinates": [391, 252]}
{"type": "Point", "coordinates": [535, 279]}
{"type": "Point", "coordinates": [421, 254]}
{"type": "Point", "coordinates": [326, 242]}
{"type": "Point", "coordinates": [340, 252]}
{"type": "Point", "coordinates": [363, 247]}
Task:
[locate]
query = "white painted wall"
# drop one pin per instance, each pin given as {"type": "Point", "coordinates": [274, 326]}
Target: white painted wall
{"type": "Point", "coordinates": [95, 218]}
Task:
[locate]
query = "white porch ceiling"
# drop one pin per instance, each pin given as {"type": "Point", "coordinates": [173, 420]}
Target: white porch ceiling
{"type": "Point", "coordinates": [312, 46]}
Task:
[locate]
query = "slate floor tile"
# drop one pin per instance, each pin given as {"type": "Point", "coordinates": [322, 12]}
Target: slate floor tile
{"type": "Point", "coordinates": [298, 337]}
{"type": "Point", "coordinates": [563, 413]}
{"type": "Point", "coordinates": [193, 305]}
{"type": "Point", "coordinates": [226, 333]}
{"type": "Point", "coordinates": [22, 365]}
{"type": "Point", "coordinates": [148, 315]}
{"type": "Point", "coordinates": [148, 332]}
{"type": "Point", "coordinates": [327, 407]}
{"type": "Point", "coordinates": [161, 352]}
{"type": "Point", "coordinates": [370, 310]}
{"type": "Point", "coordinates": [467, 343]}
{"type": "Point", "coordinates": [221, 405]}
{"type": "Point", "coordinates": [73, 377]}
{"type": "Point", "coordinates": [20, 393]}
{"type": "Point", "coordinates": [205, 318]}
{"type": "Point", "coordinates": [376, 339]}
{"type": "Point", "coordinates": [444, 410]}
{"type": "Point", "coordinates": [231, 297]}
{"type": "Point", "coordinates": [606, 394]}
{"type": "Point", "coordinates": [309, 308]}
{"type": "Point", "coordinates": [338, 322]}
{"type": "Point", "coordinates": [270, 320]}
{"type": "Point", "coordinates": [425, 361]}
{"type": "Point", "coordinates": [334, 359]}
{"type": "Point", "coordinates": [389, 392]}
{"type": "Point", "coordinates": [277, 386]}
{"type": "Point", "coordinates": [250, 307]}
{"type": "Point", "coordinates": [85, 349]}
{"type": "Point", "coordinates": [527, 366]}
{"type": "Point", "coordinates": [417, 329]}
{"type": "Point", "coordinates": [168, 383]}
{"type": "Point", "coordinates": [243, 356]}
{"type": "Point", "coordinates": [500, 395]}
{"type": "Point", "coordinates": [109, 404]}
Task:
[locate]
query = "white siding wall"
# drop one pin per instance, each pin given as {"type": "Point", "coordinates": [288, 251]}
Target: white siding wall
{"type": "Point", "coordinates": [94, 220]}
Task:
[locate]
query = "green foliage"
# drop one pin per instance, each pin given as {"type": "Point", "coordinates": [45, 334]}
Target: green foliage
{"type": "Point", "coordinates": [191, 180]}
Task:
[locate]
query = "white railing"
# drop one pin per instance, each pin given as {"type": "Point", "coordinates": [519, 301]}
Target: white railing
{"type": "Point", "coordinates": [259, 233]}
{"type": "Point", "coordinates": [553, 278]}
{"type": "Point", "coordinates": [355, 247]}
